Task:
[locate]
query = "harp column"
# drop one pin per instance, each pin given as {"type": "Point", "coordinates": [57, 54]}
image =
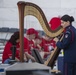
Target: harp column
{"type": "Point", "coordinates": [21, 7]}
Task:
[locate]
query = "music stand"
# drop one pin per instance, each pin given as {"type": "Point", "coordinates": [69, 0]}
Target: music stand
{"type": "Point", "coordinates": [37, 56]}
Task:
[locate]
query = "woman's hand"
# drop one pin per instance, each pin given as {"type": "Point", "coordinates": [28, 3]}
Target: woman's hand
{"type": "Point", "coordinates": [17, 59]}
{"type": "Point", "coordinates": [56, 40]}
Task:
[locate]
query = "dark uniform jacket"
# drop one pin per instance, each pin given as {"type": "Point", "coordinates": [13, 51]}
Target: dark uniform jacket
{"type": "Point", "coordinates": [68, 44]}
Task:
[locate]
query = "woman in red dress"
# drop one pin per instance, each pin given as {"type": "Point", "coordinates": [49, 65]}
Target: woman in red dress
{"type": "Point", "coordinates": [7, 53]}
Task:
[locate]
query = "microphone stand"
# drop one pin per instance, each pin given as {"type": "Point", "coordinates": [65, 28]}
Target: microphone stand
{"type": "Point", "coordinates": [13, 49]}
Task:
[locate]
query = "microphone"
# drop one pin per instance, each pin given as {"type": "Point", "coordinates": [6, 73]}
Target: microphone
{"type": "Point", "coordinates": [13, 49]}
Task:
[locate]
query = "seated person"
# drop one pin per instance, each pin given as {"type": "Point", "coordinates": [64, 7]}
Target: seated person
{"type": "Point", "coordinates": [31, 33]}
{"type": "Point", "coordinates": [7, 53]}
{"type": "Point", "coordinates": [42, 45]}
{"type": "Point", "coordinates": [49, 45]}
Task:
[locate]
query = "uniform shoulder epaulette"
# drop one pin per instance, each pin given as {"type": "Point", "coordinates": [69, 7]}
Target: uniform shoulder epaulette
{"type": "Point", "coordinates": [68, 31]}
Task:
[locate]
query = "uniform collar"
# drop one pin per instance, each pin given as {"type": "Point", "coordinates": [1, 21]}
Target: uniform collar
{"type": "Point", "coordinates": [68, 27]}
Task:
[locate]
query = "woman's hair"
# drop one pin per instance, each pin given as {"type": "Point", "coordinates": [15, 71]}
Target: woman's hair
{"type": "Point", "coordinates": [67, 18]}
{"type": "Point", "coordinates": [14, 38]}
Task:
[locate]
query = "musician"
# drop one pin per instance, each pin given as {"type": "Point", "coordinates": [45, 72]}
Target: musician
{"type": "Point", "coordinates": [7, 53]}
{"type": "Point", "coordinates": [68, 43]}
{"type": "Point", "coordinates": [31, 33]}
{"type": "Point", "coordinates": [44, 45]}
{"type": "Point", "coordinates": [49, 44]}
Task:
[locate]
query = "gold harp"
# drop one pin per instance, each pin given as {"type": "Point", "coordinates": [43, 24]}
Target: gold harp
{"type": "Point", "coordinates": [27, 8]}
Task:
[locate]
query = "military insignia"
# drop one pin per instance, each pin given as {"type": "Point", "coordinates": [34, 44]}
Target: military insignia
{"type": "Point", "coordinates": [66, 36]}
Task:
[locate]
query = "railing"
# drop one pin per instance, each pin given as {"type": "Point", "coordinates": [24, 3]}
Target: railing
{"type": "Point", "coordinates": [5, 33]}
{"type": "Point", "coordinates": [1, 52]}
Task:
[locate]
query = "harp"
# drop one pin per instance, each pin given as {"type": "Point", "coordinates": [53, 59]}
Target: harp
{"type": "Point", "coordinates": [27, 8]}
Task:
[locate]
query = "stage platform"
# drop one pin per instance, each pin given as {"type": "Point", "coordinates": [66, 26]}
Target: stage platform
{"type": "Point", "coordinates": [26, 69]}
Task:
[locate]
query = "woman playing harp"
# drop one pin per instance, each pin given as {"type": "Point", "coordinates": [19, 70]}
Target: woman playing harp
{"type": "Point", "coordinates": [68, 45]}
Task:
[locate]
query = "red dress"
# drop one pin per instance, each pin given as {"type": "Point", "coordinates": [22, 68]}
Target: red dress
{"type": "Point", "coordinates": [7, 51]}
